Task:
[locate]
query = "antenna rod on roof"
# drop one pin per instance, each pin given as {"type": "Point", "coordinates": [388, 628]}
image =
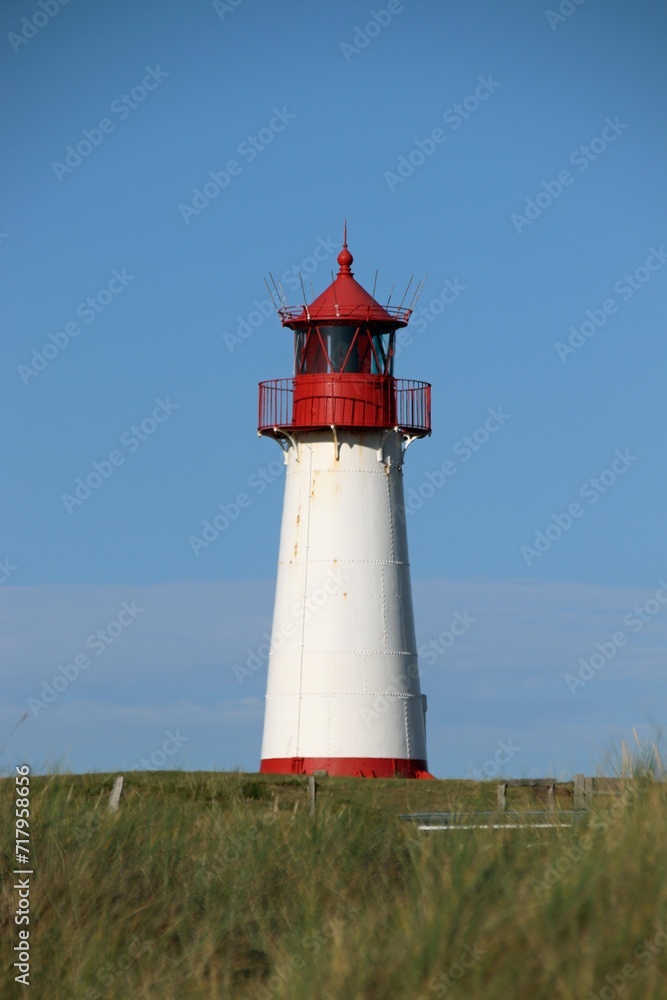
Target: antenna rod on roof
{"type": "Point", "coordinates": [375, 281]}
{"type": "Point", "coordinates": [268, 288]}
{"type": "Point", "coordinates": [406, 291]}
{"type": "Point", "coordinates": [390, 295]}
{"type": "Point", "coordinates": [305, 299]}
{"type": "Point", "coordinates": [415, 295]}
{"type": "Point", "coordinates": [282, 295]}
{"type": "Point", "coordinates": [418, 291]}
{"type": "Point", "coordinates": [281, 298]}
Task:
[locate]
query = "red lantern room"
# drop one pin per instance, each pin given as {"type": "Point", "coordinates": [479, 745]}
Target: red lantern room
{"type": "Point", "coordinates": [344, 345]}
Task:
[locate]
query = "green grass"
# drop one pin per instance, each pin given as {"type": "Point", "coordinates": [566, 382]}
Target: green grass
{"type": "Point", "coordinates": [221, 885]}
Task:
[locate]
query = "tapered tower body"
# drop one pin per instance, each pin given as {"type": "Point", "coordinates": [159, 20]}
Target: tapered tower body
{"type": "Point", "coordinates": [343, 692]}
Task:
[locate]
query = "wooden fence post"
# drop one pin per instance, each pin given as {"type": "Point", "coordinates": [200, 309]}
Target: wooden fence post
{"type": "Point", "coordinates": [116, 792]}
{"type": "Point", "coordinates": [589, 791]}
{"type": "Point", "coordinates": [551, 795]}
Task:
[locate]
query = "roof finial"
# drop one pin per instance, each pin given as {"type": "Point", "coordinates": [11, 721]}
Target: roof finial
{"type": "Point", "coordinates": [345, 258]}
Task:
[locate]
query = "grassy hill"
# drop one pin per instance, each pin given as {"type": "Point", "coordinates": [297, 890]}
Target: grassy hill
{"type": "Point", "coordinates": [211, 885]}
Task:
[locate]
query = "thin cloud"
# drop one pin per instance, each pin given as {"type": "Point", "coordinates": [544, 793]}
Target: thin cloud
{"type": "Point", "coordinates": [174, 666]}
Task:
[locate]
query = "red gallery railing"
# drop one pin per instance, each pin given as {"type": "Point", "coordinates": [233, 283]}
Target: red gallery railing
{"type": "Point", "coordinates": [345, 400]}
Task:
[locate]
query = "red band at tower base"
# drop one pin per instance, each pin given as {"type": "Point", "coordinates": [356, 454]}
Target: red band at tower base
{"type": "Point", "coordinates": [347, 767]}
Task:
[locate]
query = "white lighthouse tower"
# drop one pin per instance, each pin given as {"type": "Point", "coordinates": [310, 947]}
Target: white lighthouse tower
{"type": "Point", "coordinates": [343, 693]}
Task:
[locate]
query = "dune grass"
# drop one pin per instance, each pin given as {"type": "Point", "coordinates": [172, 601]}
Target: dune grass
{"type": "Point", "coordinates": [222, 885]}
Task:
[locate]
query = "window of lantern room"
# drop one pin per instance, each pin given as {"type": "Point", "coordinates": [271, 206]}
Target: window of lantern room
{"type": "Point", "coordinates": [343, 349]}
{"type": "Point", "coordinates": [382, 362]}
{"type": "Point", "coordinates": [322, 349]}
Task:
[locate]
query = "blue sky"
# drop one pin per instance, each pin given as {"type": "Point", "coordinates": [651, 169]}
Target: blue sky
{"type": "Point", "coordinates": [532, 148]}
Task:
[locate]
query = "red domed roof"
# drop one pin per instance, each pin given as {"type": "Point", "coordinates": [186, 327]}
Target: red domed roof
{"type": "Point", "coordinates": [344, 302]}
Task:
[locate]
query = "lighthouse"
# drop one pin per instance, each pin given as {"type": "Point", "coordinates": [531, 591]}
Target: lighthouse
{"type": "Point", "coordinates": [343, 693]}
